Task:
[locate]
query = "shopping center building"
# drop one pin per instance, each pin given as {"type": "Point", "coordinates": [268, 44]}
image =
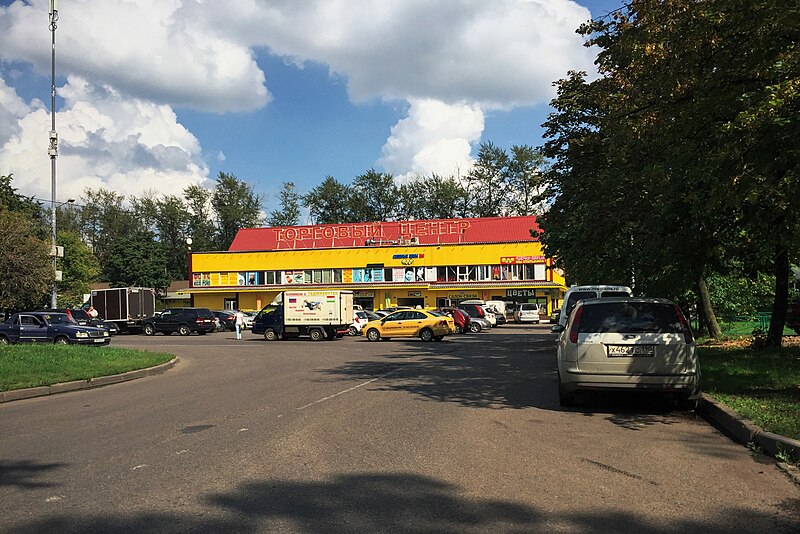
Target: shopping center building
{"type": "Point", "coordinates": [401, 263]}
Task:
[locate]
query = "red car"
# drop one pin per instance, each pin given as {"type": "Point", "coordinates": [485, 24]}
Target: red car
{"type": "Point", "coordinates": [460, 317]}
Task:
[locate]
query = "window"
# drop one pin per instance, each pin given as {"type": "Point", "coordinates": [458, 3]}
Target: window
{"type": "Point", "coordinates": [327, 276]}
{"type": "Point", "coordinates": [307, 277]}
{"type": "Point", "coordinates": [317, 273]}
{"type": "Point", "coordinates": [441, 274]}
{"type": "Point", "coordinates": [337, 276]}
{"type": "Point", "coordinates": [530, 272]}
{"type": "Point", "coordinates": [483, 272]}
{"type": "Point", "coordinates": [452, 274]}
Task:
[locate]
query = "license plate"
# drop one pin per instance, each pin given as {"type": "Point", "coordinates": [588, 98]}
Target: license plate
{"type": "Point", "coordinates": [99, 340]}
{"type": "Point", "coordinates": [631, 350]}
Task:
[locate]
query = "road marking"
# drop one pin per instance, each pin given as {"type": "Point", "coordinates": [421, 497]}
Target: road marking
{"type": "Point", "coordinates": [329, 397]}
{"type": "Point", "coordinates": [139, 467]}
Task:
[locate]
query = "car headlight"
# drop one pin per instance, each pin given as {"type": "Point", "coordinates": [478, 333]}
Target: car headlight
{"type": "Point", "coordinates": [81, 334]}
{"type": "Point", "coordinates": [105, 333]}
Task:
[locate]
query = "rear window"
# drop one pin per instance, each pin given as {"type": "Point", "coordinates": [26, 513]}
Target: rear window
{"type": "Point", "coordinates": [576, 296]}
{"type": "Point", "coordinates": [630, 317]}
{"type": "Point", "coordinates": [205, 313]}
{"type": "Point", "coordinates": [529, 307]}
{"type": "Point", "coordinates": [605, 294]}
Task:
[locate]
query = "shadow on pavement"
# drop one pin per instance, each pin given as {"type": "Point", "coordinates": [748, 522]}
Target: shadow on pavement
{"type": "Point", "coordinates": [23, 474]}
{"type": "Point", "coordinates": [397, 503]}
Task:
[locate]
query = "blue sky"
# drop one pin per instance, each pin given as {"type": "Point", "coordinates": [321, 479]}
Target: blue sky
{"type": "Point", "coordinates": [154, 96]}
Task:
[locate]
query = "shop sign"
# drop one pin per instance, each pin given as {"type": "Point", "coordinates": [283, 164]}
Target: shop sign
{"type": "Point", "coordinates": [359, 293]}
{"type": "Point", "coordinates": [462, 296]}
{"type": "Point", "coordinates": [415, 293]}
{"type": "Point", "coordinates": [513, 260]}
{"type": "Point", "coordinates": [418, 228]}
{"type": "Point", "coordinates": [520, 292]}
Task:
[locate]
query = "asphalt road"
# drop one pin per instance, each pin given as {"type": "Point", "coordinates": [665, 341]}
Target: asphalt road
{"type": "Point", "coordinates": [460, 436]}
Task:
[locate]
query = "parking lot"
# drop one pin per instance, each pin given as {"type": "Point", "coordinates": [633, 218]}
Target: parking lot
{"type": "Point", "coordinates": [465, 435]}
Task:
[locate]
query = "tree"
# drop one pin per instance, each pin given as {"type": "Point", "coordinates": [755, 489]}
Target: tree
{"type": "Point", "coordinates": [375, 197]}
{"type": "Point", "coordinates": [487, 181]}
{"type": "Point", "coordinates": [106, 220]}
{"type": "Point", "coordinates": [137, 259]}
{"type": "Point", "coordinates": [171, 223]}
{"type": "Point", "coordinates": [329, 202]}
{"type": "Point", "coordinates": [25, 267]}
{"type": "Point", "coordinates": [433, 197]}
{"type": "Point", "coordinates": [199, 226]}
{"type": "Point", "coordinates": [289, 212]}
{"type": "Point", "coordinates": [524, 180]}
{"type": "Point", "coordinates": [236, 207]}
{"type": "Point", "coordinates": [79, 267]}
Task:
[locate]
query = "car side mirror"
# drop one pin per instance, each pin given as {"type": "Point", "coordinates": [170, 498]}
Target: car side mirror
{"type": "Point", "coordinates": [557, 328]}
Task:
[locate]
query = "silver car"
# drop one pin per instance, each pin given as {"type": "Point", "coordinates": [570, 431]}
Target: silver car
{"type": "Point", "coordinates": [627, 344]}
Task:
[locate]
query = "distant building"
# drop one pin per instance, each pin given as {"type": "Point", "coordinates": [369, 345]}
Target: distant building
{"type": "Point", "coordinates": [402, 263]}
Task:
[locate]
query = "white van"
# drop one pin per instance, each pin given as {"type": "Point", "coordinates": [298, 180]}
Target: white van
{"type": "Point", "coordinates": [576, 293]}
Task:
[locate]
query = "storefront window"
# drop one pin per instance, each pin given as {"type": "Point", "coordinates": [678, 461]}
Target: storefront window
{"type": "Point", "coordinates": [307, 277]}
{"type": "Point", "coordinates": [337, 276]}
{"type": "Point", "coordinates": [452, 274]}
{"type": "Point", "coordinates": [441, 274]}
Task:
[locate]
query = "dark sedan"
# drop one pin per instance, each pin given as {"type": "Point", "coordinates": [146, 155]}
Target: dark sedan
{"type": "Point", "coordinates": [50, 327]}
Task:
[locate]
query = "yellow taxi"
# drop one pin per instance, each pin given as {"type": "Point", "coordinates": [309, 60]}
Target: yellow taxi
{"type": "Point", "coordinates": [428, 325]}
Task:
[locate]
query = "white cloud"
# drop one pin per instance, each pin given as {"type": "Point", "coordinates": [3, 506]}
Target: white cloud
{"type": "Point", "coordinates": [435, 137]}
{"type": "Point", "coordinates": [449, 60]}
{"type": "Point", "coordinates": [105, 140]}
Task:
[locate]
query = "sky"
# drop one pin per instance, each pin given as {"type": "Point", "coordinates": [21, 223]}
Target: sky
{"type": "Point", "coordinates": [157, 95]}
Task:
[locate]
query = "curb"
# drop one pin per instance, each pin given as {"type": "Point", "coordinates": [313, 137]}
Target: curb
{"type": "Point", "coordinates": [91, 383]}
{"type": "Point", "coordinates": [744, 431]}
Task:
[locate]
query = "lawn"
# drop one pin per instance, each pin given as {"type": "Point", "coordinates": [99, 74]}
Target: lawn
{"type": "Point", "coordinates": [23, 366]}
{"type": "Point", "coordinates": [763, 386]}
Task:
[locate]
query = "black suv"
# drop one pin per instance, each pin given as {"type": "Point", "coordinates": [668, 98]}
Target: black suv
{"type": "Point", "coordinates": [181, 320]}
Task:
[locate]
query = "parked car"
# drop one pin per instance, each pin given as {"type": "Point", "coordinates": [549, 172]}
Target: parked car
{"type": "Point", "coordinates": [499, 318]}
{"type": "Point", "coordinates": [425, 324]}
{"type": "Point", "coordinates": [460, 318]}
{"type": "Point", "coordinates": [627, 344]}
{"type": "Point", "coordinates": [181, 320]}
{"type": "Point", "coordinates": [527, 312]}
{"type": "Point", "coordinates": [477, 316]}
{"type": "Point", "coordinates": [576, 293]}
{"type": "Point", "coordinates": [227, 319]}
{"type": "Point", "coordinates": [249, 317]}
{"type": "Point", "coordinates": [82, 317]}
{"type": "Point", "coordinates": [50, 327]}
{"type": "Point", "coordinates": [361, 318]}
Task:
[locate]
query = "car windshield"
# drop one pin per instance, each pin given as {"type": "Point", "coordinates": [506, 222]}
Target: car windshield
{"type": "Point", "coordinates": [630, 317]}
{"type": "Point", "coordinates": [372, 316]}
{"type": "Point", "coordinates": [58, 318]}
{"type": "Point", "coordinates": [79, 314]}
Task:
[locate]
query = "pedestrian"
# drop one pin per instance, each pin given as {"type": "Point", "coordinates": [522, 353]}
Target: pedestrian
{"type": "Point", "coordinates": [239, 323]}
{"type": "Point", "coordinates": [92, 312]}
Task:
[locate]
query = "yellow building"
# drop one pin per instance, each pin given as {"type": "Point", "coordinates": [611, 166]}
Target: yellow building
{"type": "Point", "coordinates": [402, 263]}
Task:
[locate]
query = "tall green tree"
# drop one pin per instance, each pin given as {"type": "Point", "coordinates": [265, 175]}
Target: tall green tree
{"type": "Point", "coordinates": [375, 197]}
{"type": "Point", "coordinates": [329, 202]}
{"type": "Point", "coordinates": [25, 267]}
{"type": "Point", "coordinates": [487, 181]}
{"type": "Point", "coordinates": [79, 267]}
{"type": "Point", "coordinates": [200, 226]}
{"type": "Point", "coordinates": [137, 259]}
{"type": "Point", "coordinates": [236, 206]}
{"type": "Point", "coordinates": [288, 214]}
{"type": "Point", "coordinates": [433, 197]}
{"type": "Point", "coordinates": [172, 225]}
{"type": "Point", "coordinates": [106, 219]}
{"type": "Point", "coordinates": [525, 166]}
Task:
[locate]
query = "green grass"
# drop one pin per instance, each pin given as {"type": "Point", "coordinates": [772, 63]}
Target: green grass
{"type": "Point", "coordinates": [745, 328]}
{"type": "Point", "coordinates": [763, 386]}
{"type": "Point", "coordinates": [24, 366]}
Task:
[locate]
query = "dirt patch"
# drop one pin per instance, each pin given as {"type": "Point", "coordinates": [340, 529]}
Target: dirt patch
{"type": "Point", "coordinates": [788, 341]}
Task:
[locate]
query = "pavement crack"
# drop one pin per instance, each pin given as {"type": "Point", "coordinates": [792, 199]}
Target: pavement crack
{"type": "Point", "coordinates": [618, 471]}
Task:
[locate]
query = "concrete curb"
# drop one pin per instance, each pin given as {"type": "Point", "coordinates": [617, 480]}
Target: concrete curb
{"type": "Point", "coordinates": [746, 432]}
{"type": "Point", "coordinates": [100, 381]}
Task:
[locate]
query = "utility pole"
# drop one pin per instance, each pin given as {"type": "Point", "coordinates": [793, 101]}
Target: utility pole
{"type": "Point", "coordinates": [53, 152]}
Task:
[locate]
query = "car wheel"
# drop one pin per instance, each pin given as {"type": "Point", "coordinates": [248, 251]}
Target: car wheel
{"type": "Point", "coordinates": [474, 327]}
{"type": "Point", "coordinates": [184, 330]}
{"type": "Point", "coordinates": [459, 330]}
{"type": "Point", "coordinates": [149, 330]}
{"type": "Point", "coordinates": [438, 338]}
{"type": "Point", "coordinates": [270, 335]}
{"type": "Point", "coordinates": [565, 398]}
{"type": "Point", "coordinates": [316, 335]}
{"type": "Point", "coordinates": [3, 340]}
{"type": "Point", "coordinates": [353, 331]}
{"type": "Point", "coordinates": [61, 340]}
{"type": "Point", "coordinates": [373, 334]}
{"type": "Point", "coordinates": [688, 405]}
{"type": "Point", "coordinates": [426, 334]}
{"type": "Point", "coordinates": [201, 332]}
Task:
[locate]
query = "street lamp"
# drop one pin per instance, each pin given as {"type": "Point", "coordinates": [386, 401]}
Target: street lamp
{"type": "Point", "coordinates": [53, 152]}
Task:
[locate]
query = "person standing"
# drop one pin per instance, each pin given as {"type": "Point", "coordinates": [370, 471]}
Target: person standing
{"type": "Point", "coordinates": [92, 312]}
{"type": "Point", "coordinates": [239, 323]}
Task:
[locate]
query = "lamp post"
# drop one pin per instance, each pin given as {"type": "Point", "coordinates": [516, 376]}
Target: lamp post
{"type": "Point", "coordinates": [53, 152]}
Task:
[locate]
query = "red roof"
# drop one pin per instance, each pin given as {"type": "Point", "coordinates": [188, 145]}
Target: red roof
{"type": "Point", "coordinates": [431, 232]}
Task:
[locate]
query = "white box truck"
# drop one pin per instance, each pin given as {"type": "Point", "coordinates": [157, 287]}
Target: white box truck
{"type": "Point", "coordinates": [317, 314]}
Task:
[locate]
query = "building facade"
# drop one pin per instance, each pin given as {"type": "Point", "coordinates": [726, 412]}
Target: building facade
{"type": "Point", "coordinates": [402, 263]}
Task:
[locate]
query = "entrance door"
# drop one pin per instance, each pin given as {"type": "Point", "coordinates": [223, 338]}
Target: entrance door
{"type": "Point", "coordinates": [230, 304]}
{"type": "Point", "coordinates": [413, 302]}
